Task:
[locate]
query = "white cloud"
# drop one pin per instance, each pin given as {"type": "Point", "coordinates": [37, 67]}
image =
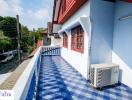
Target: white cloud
{"type": "Point", "coordinates": [41, 14]}
{"type": "Point", "coordinates": [38, 15]}
{"type": "Point", "coordinates": [31, 17]}
{"type": "Point", "coordinates": [36, 18]}
{"type": "Point", "coordinates": [10, 7]}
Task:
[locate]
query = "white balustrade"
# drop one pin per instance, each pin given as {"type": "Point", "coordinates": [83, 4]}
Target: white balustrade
{"type": "Point", "coordinates": [51, 50]}
{"type": "Point", "coordinates": [22, 86]}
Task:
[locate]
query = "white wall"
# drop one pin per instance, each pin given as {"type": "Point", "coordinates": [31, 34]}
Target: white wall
{"type": "Point", "coordinates": [76, 59]}
{"type": "Point", "coordinates": [102, 15]}
{"type": "Point", "coordinates": [56, 28]}
{"type": "Point", "coordinates": [111, 38]}
{"type": "Point", "coordinates": [122, 47]}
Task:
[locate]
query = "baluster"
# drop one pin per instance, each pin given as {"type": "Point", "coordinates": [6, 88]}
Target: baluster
{"type": "Point", "coordinates": [46, 51]}
{"type": "Point", "coordinates": [56, 51]}
{"type": "Point", "coordinates": [50, 51]}
{"type": "Point", "coordinates": [59, 50]}
{"type": "Point", "coordinates": [53, 51]}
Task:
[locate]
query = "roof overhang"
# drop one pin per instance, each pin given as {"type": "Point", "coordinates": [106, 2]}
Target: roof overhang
{"type": "Point", "coordinates": [56, 8]}
{"type": "Point", "coordinates": [57, 4]}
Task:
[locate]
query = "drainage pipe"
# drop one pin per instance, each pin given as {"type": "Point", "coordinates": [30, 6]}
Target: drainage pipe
{"type": "Point", "coordinates": [89, 48]}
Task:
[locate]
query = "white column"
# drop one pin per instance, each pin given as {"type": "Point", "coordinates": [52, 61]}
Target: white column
{"type": "Point", "coordinates": [52, 40]}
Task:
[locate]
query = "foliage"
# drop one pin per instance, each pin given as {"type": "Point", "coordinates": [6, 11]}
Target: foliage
{"type": "Point", "coordinates": [26, 39]}
{"type": "Point", "coordinates": [1, 18]}
{"type": "Point", "coordinates": [5, 42]}
{"type": "Point", "coordinates": [30, 49]}
{"type": "Point", "coordinates": [8, 25]}
{"type": "Point", "coordinates": [8, 35]}
{"type": "Point", "coordinates": [39, 33]}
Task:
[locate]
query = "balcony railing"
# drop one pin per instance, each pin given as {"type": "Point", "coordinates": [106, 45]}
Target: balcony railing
{"type": "Point", "coordinates": [25, 87]}
{"type": "Point", "coordinates": [51, 51]}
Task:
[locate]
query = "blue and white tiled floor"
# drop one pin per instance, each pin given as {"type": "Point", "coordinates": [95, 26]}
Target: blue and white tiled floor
{"type": "Point", "coordinates": [60, 81]}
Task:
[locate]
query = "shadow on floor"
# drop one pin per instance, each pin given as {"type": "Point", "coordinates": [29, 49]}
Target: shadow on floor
{"type": "Point", "coordinates": [52, 83]}
{"type": "Point", "coordinates": [59, 80]}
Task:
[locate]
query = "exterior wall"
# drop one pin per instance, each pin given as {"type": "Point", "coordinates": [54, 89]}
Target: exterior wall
{"type": "Point", "coordinates": [111, 37]}
{"type": "Point", "coordinates": [58, 42]}
{"type": "Point", "coordinates": [102, 15]}
{"type": "Point", "coordinates": [56, 28]}
{"type": "Point", "coordinates": [122, 48]}
{"type": "Point", "coordinates": [76, 59]}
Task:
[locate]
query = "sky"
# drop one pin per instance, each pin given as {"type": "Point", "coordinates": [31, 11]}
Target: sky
{"type": "Point", "coordinates": [32, 13]}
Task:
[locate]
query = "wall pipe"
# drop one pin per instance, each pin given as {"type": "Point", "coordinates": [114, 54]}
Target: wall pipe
{"type": "Point", "coordinates": [89, 49]}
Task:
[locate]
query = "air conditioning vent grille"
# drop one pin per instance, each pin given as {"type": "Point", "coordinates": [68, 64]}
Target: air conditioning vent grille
{"type": "Point", "coordinates": [92, 75]}
{"type": "Point", "coordinates": [104, 74]}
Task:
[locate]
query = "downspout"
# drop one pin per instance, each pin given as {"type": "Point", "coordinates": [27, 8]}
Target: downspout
{"type": "Point", "coordinates": [89, 49]}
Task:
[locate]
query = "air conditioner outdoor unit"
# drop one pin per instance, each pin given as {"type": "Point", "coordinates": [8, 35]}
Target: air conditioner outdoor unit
{"type": "Point", "coordinates": [104, 74]}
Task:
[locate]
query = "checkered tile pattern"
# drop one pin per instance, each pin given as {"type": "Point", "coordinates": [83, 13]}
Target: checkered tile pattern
{"type": "Point", "coordinates": [58, 80]}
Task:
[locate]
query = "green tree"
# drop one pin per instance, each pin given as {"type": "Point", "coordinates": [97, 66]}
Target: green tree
{"type": "Point", "coordinates": [1, 18]}
{"type": "Point", "coordinates": [39, 33]}
{"type": "Point", "coordinates": [26, 39]}
{"type": "Point", "coordinates": [8, 25]}
{"type": "Point", "coordinates": [5, 42]}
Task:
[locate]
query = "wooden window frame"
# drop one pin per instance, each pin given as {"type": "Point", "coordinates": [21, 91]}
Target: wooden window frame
{"type": "Point", "coordinates": [65, 40]}
{"type": "Point", "coordinates": [77, 39]}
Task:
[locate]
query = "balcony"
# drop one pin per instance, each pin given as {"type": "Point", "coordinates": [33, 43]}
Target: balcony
{"type": "Point", "coordinates": [48, 76]}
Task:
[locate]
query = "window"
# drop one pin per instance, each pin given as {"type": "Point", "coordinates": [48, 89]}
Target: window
{"type": "Point", "coordinates": [63, 6]}
{"type": "Point", "coordinates": [73, 40]}
{"type": "Point", "coordinates": [65, 40]}
{"type": "Point", "coordinates": [77, 39]}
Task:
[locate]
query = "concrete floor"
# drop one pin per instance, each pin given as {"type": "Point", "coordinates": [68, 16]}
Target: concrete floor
{"type": "Point", "coordinates": [3, 77]}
